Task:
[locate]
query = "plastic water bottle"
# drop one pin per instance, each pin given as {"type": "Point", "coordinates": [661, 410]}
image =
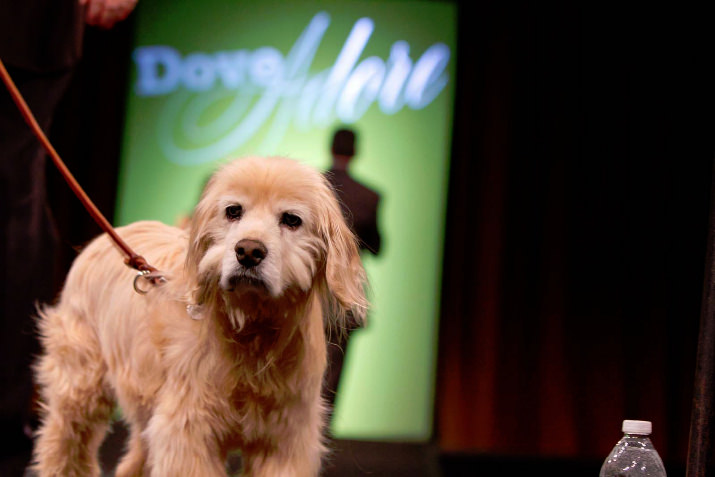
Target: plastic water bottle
{"type": "Point", "coordinates": [634, 455]}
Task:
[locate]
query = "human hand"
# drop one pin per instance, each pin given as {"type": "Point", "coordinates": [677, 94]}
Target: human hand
{"type": "Point", "coordinates": [105, 13]}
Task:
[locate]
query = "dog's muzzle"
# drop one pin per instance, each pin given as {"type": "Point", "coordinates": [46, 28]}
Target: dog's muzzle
{"type": "Point", "coordinates": [247, 277]}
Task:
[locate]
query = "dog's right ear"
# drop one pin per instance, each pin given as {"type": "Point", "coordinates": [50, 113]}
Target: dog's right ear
{"type": "Point", "coordinates": [200, 239]}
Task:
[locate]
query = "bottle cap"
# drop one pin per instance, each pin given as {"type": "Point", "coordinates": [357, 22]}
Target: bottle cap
{"type": "Point", "coordinates": [643, 428]}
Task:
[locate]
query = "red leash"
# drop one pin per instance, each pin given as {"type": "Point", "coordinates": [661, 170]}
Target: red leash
{"type": "Point", "coordinates": [132, 259]}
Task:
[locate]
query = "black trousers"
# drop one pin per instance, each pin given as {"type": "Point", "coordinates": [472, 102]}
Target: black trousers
{"type": "Point", "coordinates": [337, 346]}
{"type": "Point", "coordinates": [28, 244]}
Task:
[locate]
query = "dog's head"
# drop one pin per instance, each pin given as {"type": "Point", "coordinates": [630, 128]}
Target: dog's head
{"type": "Point", "coordinates": [266, 228]}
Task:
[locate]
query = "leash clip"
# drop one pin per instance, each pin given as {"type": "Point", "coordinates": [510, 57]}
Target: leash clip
{"type": "Point", "coordinates": [154, 278]}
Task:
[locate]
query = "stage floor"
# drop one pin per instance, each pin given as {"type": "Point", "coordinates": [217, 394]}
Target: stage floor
{"type": "Point", "coordinates": [384, 459]}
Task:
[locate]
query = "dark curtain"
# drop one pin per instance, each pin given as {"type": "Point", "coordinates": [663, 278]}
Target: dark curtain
{"type": "Point", "coordinates": [576, 229]}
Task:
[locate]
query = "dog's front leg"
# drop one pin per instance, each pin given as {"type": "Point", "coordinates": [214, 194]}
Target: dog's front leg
{"type": "Point", "coordinates": [296, 447]}
{"type": "Point", "coordinates": [181, 441]}
{"type": "Point", "coordinates": [289, 460]}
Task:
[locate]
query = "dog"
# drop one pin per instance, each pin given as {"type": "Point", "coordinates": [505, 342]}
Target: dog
{"type": "Point", "coordinates": [228, 353]}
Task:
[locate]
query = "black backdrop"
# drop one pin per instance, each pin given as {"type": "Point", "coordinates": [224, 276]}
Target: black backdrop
{"type": "Point", "coordinates": [577, 219]}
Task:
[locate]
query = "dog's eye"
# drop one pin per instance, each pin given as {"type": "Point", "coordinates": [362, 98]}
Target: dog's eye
{"type": "Point", "coordinates": [291, 220]}
{"type": "Point", "coordinates": [234, 212]}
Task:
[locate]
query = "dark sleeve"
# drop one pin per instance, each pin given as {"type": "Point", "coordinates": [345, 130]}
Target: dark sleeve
{"type": "Point", "coordinates": [42, 36]}
{"type": "Point", "coordinates": [370, 235]}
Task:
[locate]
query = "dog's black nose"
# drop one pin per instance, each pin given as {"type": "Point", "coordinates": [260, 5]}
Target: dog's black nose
{"type": "Point", "coordinates": [250, 252]}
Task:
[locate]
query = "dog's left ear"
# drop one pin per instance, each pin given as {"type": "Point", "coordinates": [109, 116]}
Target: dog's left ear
{"type": "Point", "coordinates": [345, 276]}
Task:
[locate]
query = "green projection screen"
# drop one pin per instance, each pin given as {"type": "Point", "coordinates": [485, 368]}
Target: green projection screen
{"type": "Point", "coordinates": [220, 79]}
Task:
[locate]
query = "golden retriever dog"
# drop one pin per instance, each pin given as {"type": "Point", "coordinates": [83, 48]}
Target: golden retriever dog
{"type": "Point", "coordinates": [228, 353]}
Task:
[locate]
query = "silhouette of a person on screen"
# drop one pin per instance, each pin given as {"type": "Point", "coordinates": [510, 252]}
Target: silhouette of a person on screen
{"type": "Point", "coordinates": [359, 204]}
{"type": "Point", "coordinates": [358, 201]}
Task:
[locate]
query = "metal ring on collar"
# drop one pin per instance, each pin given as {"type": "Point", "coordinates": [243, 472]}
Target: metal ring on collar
{"type": "Point", "coordinates": [152, 277]}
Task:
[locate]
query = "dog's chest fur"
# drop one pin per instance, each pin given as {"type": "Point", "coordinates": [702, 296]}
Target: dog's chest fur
{"type": "Point", "coordinates": [259, 375]}
{"type": "Point", "coordinates": [268, 387]}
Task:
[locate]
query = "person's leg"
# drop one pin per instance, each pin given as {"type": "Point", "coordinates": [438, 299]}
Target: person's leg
{"type": "Point", "coordinates": [28, 243]}
{"type": "Point", "coordinates": [337, 347]}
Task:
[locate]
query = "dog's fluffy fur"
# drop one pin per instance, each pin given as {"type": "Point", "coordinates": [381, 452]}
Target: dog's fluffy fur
{"type": "Point", "coordinates": [223, 355]}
